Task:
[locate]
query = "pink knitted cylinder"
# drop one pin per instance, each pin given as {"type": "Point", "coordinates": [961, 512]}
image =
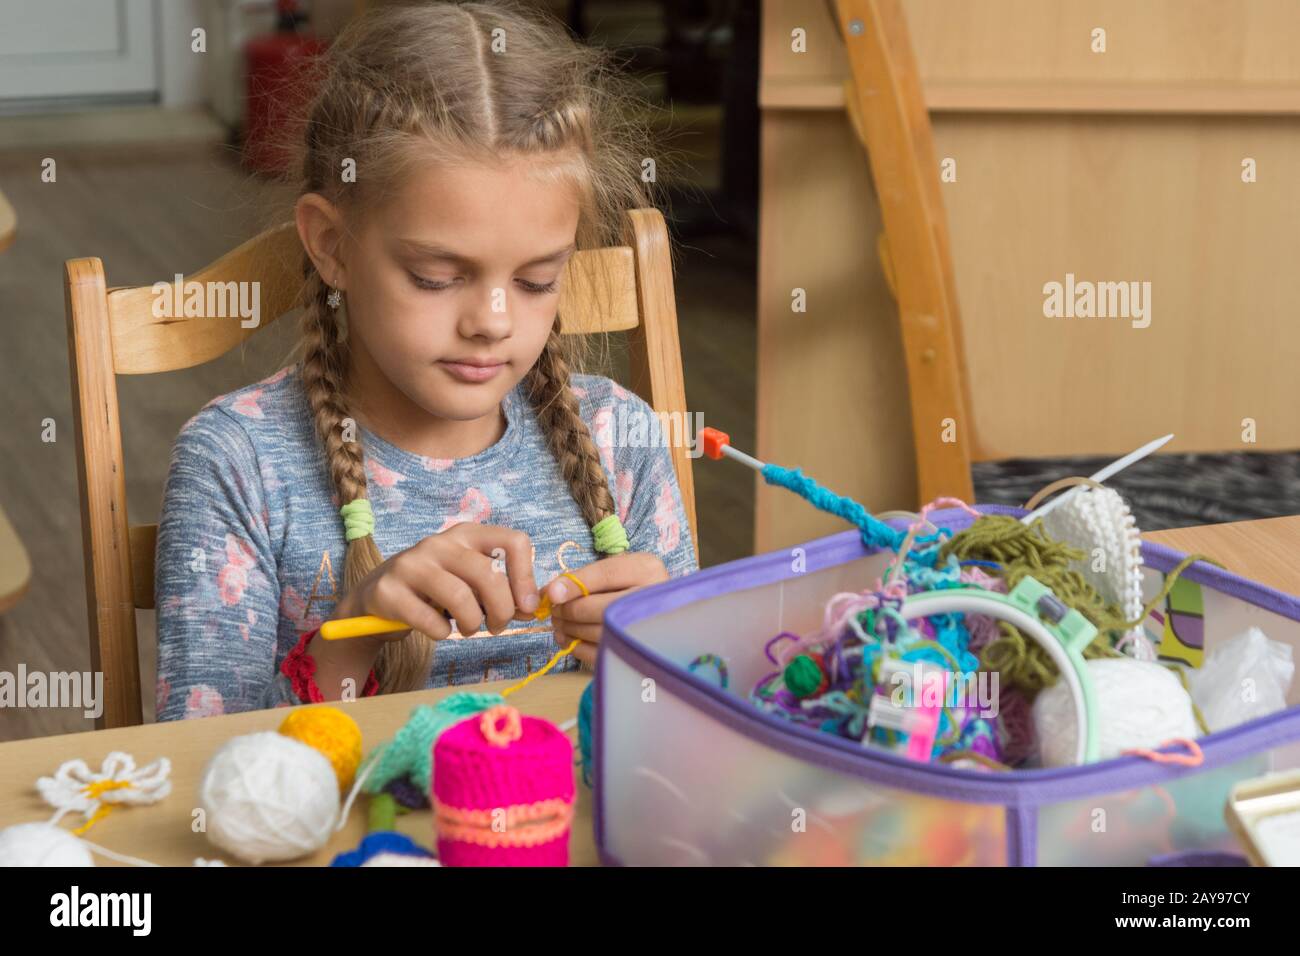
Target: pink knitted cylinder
{"type": "Point", "coordinates": [503, 798]}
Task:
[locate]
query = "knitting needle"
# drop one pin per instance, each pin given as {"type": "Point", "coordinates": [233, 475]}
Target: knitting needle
{"type": "Point", "coordinates": [717, 444]}
{"type": "Point", "coordinates": [1114, 468]}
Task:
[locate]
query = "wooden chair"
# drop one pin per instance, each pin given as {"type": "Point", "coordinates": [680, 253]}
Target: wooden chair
{"type": "Point", "coordinates": [888, 113]}
{"type": "Point", "coordinates": [114, 332]}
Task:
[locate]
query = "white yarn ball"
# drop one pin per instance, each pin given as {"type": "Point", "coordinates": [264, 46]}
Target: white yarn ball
{"type": "Point", "coordinates": [400, 859]}
{"type": "Point", "coordinates": [1139, 704]}
{"type": "Point", "coordinates": [267, 797]}
{"type": "Point", "coordinates": [42, 844]}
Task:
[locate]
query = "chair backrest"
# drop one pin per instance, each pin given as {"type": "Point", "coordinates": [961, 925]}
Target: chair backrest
{"type": "Point", "coordinates": [115, 332]}
{"type": "Point", "coordinates": [888, 112]}
{"type": "Point", "coordinates": [8, 223]}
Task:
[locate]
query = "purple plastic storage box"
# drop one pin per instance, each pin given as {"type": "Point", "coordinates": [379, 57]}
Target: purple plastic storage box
{"type": "Point", "coordinates": [688, 773]}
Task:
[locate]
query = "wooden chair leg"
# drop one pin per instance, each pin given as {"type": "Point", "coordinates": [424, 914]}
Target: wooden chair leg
{"type": "Point", "coordinates": [100, 476]}
{"type": "Point", "coordinates": [654, 348]}
{"type": "Point", "coordinates": [888, 113]}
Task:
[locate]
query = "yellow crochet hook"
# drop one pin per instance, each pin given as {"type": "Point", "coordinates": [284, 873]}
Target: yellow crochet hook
{"type": "Point", "coordinates": [367, 624]}
{"type": "Point", "coordinates": [363, 626]}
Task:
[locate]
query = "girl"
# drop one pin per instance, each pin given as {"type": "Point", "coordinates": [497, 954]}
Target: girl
{"type": "Point", "coordinates": [456, 156]}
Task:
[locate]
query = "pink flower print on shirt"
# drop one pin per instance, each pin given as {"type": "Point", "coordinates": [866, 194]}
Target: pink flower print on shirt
{"type": "Point", "coordinates": [204, 701]}
{"type": "Point", "coordinates": [619, 391]}
{"type": "Point", "coordinates": [270, 480]}
{"type": "Point", "coordinates": [276, 377]}
{"type": "Point", "coordinates": [623, 494]}
{"type": "Point", "coordinates": [164, 690]}
{"type": "Point", "coordinates": [670, 529]}
{"type": "Point", "coordinates": [246, 630]}
{"type": "Point", "coordinates": [474, 506]}
{"type": "Point", "coordinates": [384, 493]}
{"type": "Point", "coordinates": [578, 390]}
{"type": "Point", "coordinates": [295, 609]}
{"type": "Point", "coordinates": [232, 579]}
{"type": "Point", "coordinates": [246, 404]}
{"type": "Point", "coordinates": [384, 477]}
{"type": "Point", "coordinates": [602, 433]}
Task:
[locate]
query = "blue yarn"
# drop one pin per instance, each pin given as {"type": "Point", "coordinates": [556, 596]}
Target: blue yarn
{"type": "Point", "coordinates": [586, 708]}
{"type": "Point", "coordinates": [875, 533]}
{"type": "Point", "coordinates": [381, 841]}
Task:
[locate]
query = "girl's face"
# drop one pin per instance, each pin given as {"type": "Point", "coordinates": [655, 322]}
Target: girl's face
{"type": "Point", "coordinates": [453, 284]}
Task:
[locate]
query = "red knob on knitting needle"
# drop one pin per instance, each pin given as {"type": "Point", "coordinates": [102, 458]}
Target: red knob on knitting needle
{"type": "Point", "coordinates": [714, 441]}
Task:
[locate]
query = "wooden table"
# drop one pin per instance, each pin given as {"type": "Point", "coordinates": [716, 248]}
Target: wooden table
{"type": "Point", "coordinates": [1261, 550]}
{"type": "Point", "coordinates": [161, 833]}
{"type": "Point", "coordinates": [1264, 551]}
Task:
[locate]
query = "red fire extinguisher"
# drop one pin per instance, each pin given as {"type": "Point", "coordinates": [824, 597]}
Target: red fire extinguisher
{"type": "Point", "coordinates": [278, 89]}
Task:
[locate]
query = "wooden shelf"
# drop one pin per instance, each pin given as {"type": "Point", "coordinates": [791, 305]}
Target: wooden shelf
{"type": "Point", "coordinates": [827, 93]}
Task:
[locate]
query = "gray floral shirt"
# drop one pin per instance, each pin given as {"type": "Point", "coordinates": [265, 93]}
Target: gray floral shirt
{"type": "Point", "coordinates": [250, 544]}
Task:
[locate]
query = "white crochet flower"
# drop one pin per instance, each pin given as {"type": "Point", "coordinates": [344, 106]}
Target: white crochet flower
{"type": "Point", "coordinates": [75, 787]}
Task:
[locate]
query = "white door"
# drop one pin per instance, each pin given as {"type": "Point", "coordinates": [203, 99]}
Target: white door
{"type": "Point", "coordinates": [75, 49]}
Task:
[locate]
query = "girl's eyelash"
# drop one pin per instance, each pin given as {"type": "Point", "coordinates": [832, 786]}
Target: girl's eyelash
{"type": "Point", "coordinates": [430, 284]}
{"type": "Point", "coordinates": [540, 288]}
{"type": "Point", "coordinates": [536, 288]}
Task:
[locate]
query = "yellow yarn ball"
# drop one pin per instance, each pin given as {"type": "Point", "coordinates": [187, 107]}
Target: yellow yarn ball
{"type": "Point", "coordinates": [333, 733]}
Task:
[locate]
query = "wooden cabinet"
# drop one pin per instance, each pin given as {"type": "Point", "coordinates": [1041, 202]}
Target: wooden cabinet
{"type": "Point", "coordinates": [1128, 165]}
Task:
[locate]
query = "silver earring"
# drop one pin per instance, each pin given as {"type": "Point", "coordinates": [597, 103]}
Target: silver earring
{"type": "Point", "coordinates": [334, 299]}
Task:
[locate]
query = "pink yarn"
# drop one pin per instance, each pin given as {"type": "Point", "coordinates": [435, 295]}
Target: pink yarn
{"type": "Point", "coordinates": [973, 575]}
{"type": "Point", "coordinates": [1015, 718]}
{"type": "Point", "coordinates": [493, 790]}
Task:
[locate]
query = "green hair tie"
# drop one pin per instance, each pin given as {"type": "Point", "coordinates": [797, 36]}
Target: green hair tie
{"type": "Point", "coordinates": [609, 534]}
{"type": "Point", "coordinates": [358, 519]}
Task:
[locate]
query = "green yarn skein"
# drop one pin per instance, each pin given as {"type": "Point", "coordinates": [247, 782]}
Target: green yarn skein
{"type": "Point", "coordinates": [410, 752]}
{"type": "Point", "coordinates": [1023, 550]}
{"type": "Point", "coordinates": [802, 676]}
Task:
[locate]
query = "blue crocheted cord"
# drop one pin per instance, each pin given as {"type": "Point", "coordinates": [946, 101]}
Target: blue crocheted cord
{"type": "Point", "coordinates": [586, 709]}
{"type": "Point", "coordinates": [875, 533]}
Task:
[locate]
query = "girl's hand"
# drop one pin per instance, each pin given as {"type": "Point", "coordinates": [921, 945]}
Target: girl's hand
{"type": "Point", "coordinates": [607, 580]}
{"type": "Point", "coordinates": [460, 571]}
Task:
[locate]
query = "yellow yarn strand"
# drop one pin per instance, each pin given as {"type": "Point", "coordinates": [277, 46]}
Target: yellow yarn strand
{"type": "Point", "coordinates": [558, 656]}
{"type": "Point", "coordinates": [93, 791]}
{"type": "Point", "coordinates": [544, 605]}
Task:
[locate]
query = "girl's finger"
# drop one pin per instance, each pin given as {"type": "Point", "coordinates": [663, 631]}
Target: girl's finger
{"type": "Point", "coordinates": [445, 590]}
{"type": "Point", "coordinates": [395, 599]}
{"type": "Point", "coordinates": [615, 573]}
{"type": "Point", "coordinates": [511, 551]}
{"type": "Point", "coordinates": [589, 633]}
{"type": "Point", "coordinates": [585, 653]}
{"type": "Point", "coordinates": [589, 609]}
{"type": "Point", "coordinates": [489, 584]}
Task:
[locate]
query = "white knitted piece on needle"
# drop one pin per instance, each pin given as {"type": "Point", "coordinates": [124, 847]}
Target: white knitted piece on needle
{"type": "Point", "coordinates": [1098, 518]}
